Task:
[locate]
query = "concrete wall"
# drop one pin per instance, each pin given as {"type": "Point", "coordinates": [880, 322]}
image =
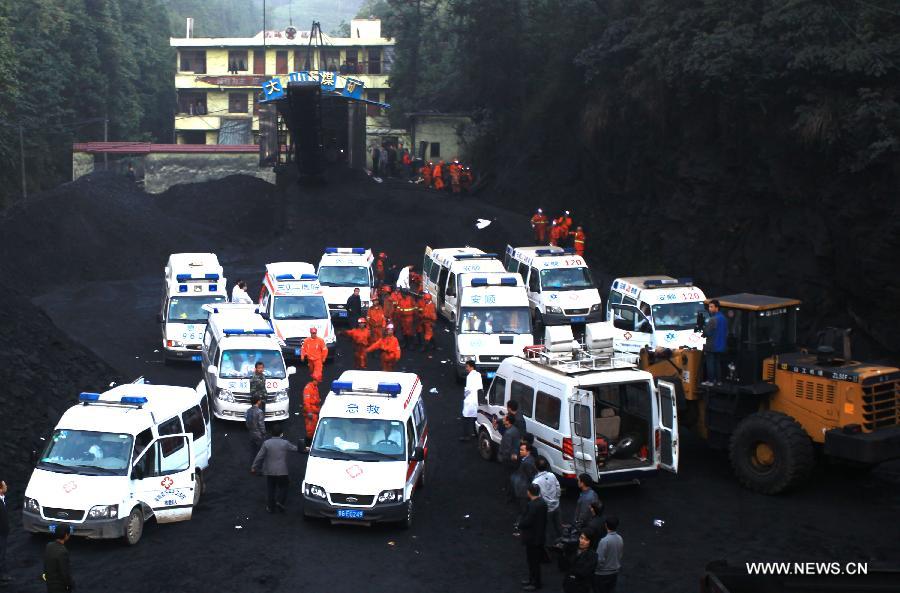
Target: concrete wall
{"type": "Point", "coordinates": [163, 170]}
{"type": "Point", "coordinates": [450, 131]}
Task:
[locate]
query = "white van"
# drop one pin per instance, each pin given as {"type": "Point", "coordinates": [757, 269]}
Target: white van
{"type": "Point", "coordinates": [236, 338]}
{"type": "Point", "coordinates": [341, 270]}
{"type": "Point", "coordinates": [119, 458]}
{"type": "Point", "coordinates": [192, 280]}
{"type": "Point", "coordinates": [561, 289]}
{"type": "Point", "coordinates": [492, 320]}
{"type": "Point", "coordinates": [590, 410]}
{"type": "Point", "coordinates": [655, 311]}
{"type": "Point", "coordinates": [441, 267]}
{"type": "Point", "coordinates": [292, 299]}
{"type": "Point", "coordinates": [368, 453]}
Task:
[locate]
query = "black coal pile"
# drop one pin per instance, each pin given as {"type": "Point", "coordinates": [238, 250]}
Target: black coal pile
{"type": "Point", "coordinates": [42, 371]}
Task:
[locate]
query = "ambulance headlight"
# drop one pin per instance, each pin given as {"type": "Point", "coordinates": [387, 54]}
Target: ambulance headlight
{"type": "Point", "coordinates": [104, 512]}
{"type": "Point", "coordinates": [314, 491]}
{"type": "Point", "coordinates": [554, 309]}
{"type": "Point", "coordinates": [595, 308]}
{"type": "Point", "coordinates": [465, 357]}
{"type": "Point", "coordinates": [225, 395]}
{"type": "Point", "coordinates": [281, 396]}
{"type": "Point", "coordinates": [174, 344]}
{"type": "Point", "coordinates": [390, 496]}
{"type": "Point", "coordinates": [32, 506]}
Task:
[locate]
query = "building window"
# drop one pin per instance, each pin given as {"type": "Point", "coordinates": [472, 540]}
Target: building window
{"type": "Point", "coordinates": [302, 61]}
{"type": "Point", "coordinates": [193, 136]}
{"type": "Point", "coordinates": [351, 62]}
{"type": "Point", "coordinates": [192, 103]}
{"type": "Point", "coordinates": [255, 103]}
{"type": "Point", "coordinates": [372, 110]}
{"type": "Point", "coordinates": [374, 65]}
{"type": "Point", "coordinates": [237, 61]}
{"type": "Point", "coordinates": [330, 60]}
{"type": "Point", "coordinates": [237, 102]}
{"type": "Point", "coordinates": [435, 150]}
{"type": "Point", "coordinates": [193, 61]}
{"type": "Point", "coordinates": [259, 61]}
{"type": "Point", "coordinates": [281, 62]}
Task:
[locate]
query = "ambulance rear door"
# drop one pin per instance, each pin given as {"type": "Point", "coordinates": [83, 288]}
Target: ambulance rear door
{"type": "Point", "coordinates": [581, 420]}
{"type": "Point", "coordinates": [164, 478]}
{"type": "Point", "coordinates": [667, 427]}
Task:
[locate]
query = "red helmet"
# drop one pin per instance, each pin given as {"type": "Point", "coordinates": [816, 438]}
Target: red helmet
{"type": "Point", "coordinates": [382, 254]}
{"type": "Point", "coordinates": [313, 331]}
{"type": "Point", "coordinates": [361, 320]}
{"type": "Point", "coordinates": [427, 297]}
{"type": "Point", "coordinates": [390, 327]}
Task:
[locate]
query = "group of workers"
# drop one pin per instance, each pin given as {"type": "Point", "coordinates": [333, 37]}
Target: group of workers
{"type": "Point", "coordinates": [441, 176]}
{"type": "Point", "coordinates": [558, 231]}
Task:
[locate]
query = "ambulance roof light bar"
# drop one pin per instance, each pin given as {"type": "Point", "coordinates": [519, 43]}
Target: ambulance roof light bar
{"type": "Point", "coordinates": [356, 250]}
{"type": "Point", "coordinates": [505, 281]}
{"type": "Point", "coordinates": [668, 282]}
{"type": "Point", "coordinates": [258, 331]}
{"type": "Point", "coordinates": [291, 277]}
{"type": "Point", "coordinates": [385, 389]}
{"type": "Point", "coordinates": [229, 307]}
{"type": "Point", "coordinates": [475, 256]}
{"type": "Point", "coordinates": [554, 251]}
{"type": "Point", "coordinates": [87, 397]}
{"type": "Point", "coordinates": [186, 277]}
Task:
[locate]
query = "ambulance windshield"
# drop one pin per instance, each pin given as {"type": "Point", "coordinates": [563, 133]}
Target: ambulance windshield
{"type": "Point", "coordinates": [677, 316]}
{"type": "Point", "coordinates": [344, 276]}
{"type": "Point", "coordinates": [87, 452]}
{"type": "Point", "coordinates": [239, 364]}
{"type": "Point", "coordinates": [364, 439]}
{"type": "Point", "coordinates": [495, 320]}
{"type": "Point", "coordinates": [300, 307]}
{"type": "Point", "coordinates": [566, 279]}
{"type": "Point", "coordinates": [188, 309]}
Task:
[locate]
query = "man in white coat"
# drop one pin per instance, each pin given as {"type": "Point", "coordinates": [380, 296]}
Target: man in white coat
{"type": "Point", "coordinates": [239, 293]}
{"type": "Point", "coordinates": [474, 384]}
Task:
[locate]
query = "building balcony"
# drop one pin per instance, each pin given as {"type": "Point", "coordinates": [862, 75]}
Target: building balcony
{"type": "Point", "coordinates": [185, 121]}
{"type": "Point", "coordinates": [255, 81]}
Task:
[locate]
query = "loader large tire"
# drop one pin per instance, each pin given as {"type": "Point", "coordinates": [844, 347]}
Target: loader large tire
{"type": "Point", "coordinates": [770, 452]}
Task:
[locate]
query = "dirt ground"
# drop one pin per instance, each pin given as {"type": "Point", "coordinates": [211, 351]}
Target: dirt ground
{"type": "Point", "coordinates": [106, 244]}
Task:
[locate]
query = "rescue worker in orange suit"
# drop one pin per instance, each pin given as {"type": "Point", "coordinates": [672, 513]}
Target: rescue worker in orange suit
{"type": "Point", "coordinates": [314, 352]}
{"type": "Point", "coordinates": [406, 311]}
{"type": "Point", "coordinates": [466, 179]}
{"type": "Point", "coordinates": [360, 338]}
{"type": "Point", "coordinates": [455, 169]}
{"type": "Point", "coordinates": [427, 317]}
{"type": "Point", "coordinates": [578, 241]}
{"type": "Point", "coordinates": [556, 234]}
{"type": "Point", "coordinates": [539, 223]}
{"type": "Point", "coordinates": [387, 301]}
{"type": "Point", "coordinates": [415, 281]}
{"type": "Point", "coordinates": [375, 321]}
{"type": "Point", "coordinates": [438, 175]}
{"type": "Point", "coordinates": [312, 403]}
{"type": "Point", "coordinates": [427, 173]}
{"type": "Point", "coordinates": [379, 269]}
{"type": "Point", "coordinates": [390, 349]}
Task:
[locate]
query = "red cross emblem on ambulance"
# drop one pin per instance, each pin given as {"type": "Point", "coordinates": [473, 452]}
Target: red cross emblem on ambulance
{"type": "Point", "coordinates": [167, 482]}
{"type": "Point", "coordinates": [627, 335]}
{"type": "Point", "coordinates": [354, 471]}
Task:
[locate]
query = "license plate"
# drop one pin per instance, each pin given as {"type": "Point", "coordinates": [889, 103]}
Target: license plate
{"type": "Point", "coordinates": [577, 319]}
{"type": "Point", "coordinates": [296, 352]}
{"type": "Point", "coordinates": [491, 374]}
{"type": "Point", "coordinates": [342, 313]}
{"type": "Point", "coordinates": [349, 514]}
{"type": "Point", "coordinates": [195, 358]}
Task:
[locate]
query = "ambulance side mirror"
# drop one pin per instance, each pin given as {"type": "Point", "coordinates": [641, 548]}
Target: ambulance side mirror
{"type": "Point", "coordinates": [212, 369]}
{"type": "Point", "coordinates": [291, 371]}
{"type": "Point", "coordinates": [418, 454]}
{"type": "Point", "coordinates": [264, 315]}
{"type": "Point", "coordinates": [137, 473]}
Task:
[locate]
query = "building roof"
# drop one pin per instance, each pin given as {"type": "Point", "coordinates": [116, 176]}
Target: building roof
{"type": "Point", "coordinates": [276, 39]}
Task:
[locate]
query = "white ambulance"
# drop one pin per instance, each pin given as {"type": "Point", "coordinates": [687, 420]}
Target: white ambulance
{"type": "Point", "coordinates": [192, 280]}
{"type": "Point", "coordinates": [560, 286]}
{"type": "Point", "coordinates": [341, 270]}
{"type": "Point", "coordinates": [653, 312]}
{"type": "Point", "coordinates": [119, 458]}
{"type": "Point", "coordinates": [292, 299]}
{"type": "Point", "coordinates": [236, 338]}
{"type": "Point", "coordinates": [492, 321]}
{"type": "Point", "coordinates": [441, 267]}
{"type": "Point", "coordinates": [590, 409]}
{"type": "Point", "coordinates": [367, 456]}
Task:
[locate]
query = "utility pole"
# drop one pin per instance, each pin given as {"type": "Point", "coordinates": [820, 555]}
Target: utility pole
{"type": "Point", "coordinates": [22, 153]}
{"type": "Point", "coordinates": [105, 139]}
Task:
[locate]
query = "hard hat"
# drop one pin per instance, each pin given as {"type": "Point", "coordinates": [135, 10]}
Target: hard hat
{"type": "Point", "coordinates": [361, 320]}
{"type": "Point", "coordinates": [313, 331]}
{"type": "Point", "coordinates": [382, 254]}
{"type": "Point", "coordinates": [579, 227]}
{"type": "Point", "coordinates": [567, 212]}
{"type": "Point", "coordinates": [387, 288]}
{"type": "Point", "coordinates": [540, 211]}
{"type": "Point", "coordinates": [427, 297]}
{"type": "Point", "coordinates": [390, 327]}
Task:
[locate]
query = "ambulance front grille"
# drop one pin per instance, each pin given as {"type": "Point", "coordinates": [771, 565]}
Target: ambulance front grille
{"type": "Point", "coordinates": [355, 499]}
{"type": "Point", "coordinates": [66, 514]}
{"type": "Point", "coordinates": [881, 405]}
{"type": "Point", "coordinates": [294, 342]}
{"type": "Point", "coordinates": [576, 311]}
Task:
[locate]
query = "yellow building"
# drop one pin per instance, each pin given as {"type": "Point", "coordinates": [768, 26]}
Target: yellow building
{"type": "Point", "coordinates": [218, 80]}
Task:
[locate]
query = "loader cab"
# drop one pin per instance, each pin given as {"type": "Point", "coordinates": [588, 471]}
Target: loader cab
{"type": "Point", "coordinates": [759, 326]}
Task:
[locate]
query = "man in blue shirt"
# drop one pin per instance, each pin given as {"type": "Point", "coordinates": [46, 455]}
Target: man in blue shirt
{"type": "Point", "coordinates": [716, 333]}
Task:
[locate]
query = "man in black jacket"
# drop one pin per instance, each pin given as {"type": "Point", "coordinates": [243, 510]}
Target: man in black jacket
{"type": "Point", "coordinates": [4, 533]}
{"type": "Point", "coordinates": [533, 529]}
{"type": "Point", "coordinates": [524, 474]}
{"type": "Point", "coordinates": [57, 571]}
{"type": "Point", "coordinates": [354, 307]}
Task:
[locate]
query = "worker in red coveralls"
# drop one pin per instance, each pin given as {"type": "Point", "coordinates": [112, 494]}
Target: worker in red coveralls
{"type": "Point", "coordinates": [314, 352]}
{"type": "Point", "coordinates": [406, 312]}
{"type": "Point", "coordinates": [379, 269]}
{"type": "Point", "coordinates": [578, 240]}
{"type": "Point", "coordinates": [427, 317]}
{"type": "Point", "coordinates": [312, 403]}
{"type": "Point", "coordinates": [455, 169]}
{"type": "Point", "coordinates": [438, 174]}
{"type": "Point", "coordinates": [427, 173]}
{"type": "Point", "coordinates": [390, 349]}
{"type": "Point", "coordinates": [539, 223]}
{"type": "Point", "coordinates": [556, 233]}
{"type": "Point", "coordinates": [360, 338]}
{"type": "Point", "coordinates": [375, 321]}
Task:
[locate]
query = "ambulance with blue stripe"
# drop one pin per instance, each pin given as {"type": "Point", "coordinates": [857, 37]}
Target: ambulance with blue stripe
{"type": "Point", "coordinates": [341, 270]}
{"type": "Point", "coordinates": [367, 456]}
{"type": "Point", "coordinates": [192, 280]}
{"type": "Point", "coordinates": [292, 300]}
